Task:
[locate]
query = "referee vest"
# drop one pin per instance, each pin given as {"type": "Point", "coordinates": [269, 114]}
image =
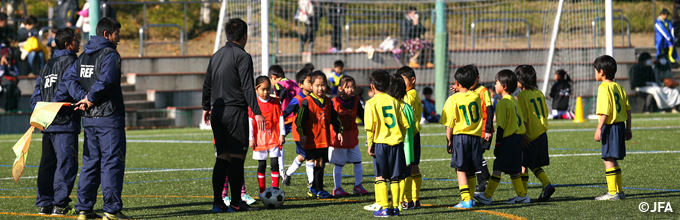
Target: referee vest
{"type": "Point", "coordinates": [269, 138]}
{"type": "Point", "coordinates": [88, 68]}
{"type": "Point", "coordinates": [350, 133]}
{"type": "Point", "coordinates": [318, 125]}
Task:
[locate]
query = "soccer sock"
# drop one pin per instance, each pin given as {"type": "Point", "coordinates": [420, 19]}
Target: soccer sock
{"type": "Point", "coordinates": [525, 180]}
{"type": "Point", "coordinates": [619, 187]}
{"type": "Point", "coordinates": [472, 182]}
{"type": "Point", "coordinates": [337, 176]}
{"type": "Point", "coordinates": [275, 179]}
{"type": "Point", "coordinates": [417, 181]}
{"type": "Point", "coordinates": [394, 189]}
{"type": "Point", "coordinates": [491, 186]}
{"type": "Point", "coordinates": [281, 161]}
{"type": "Point", "coordinates": [519, 186]}
{"type": "Point", "coordinates": [358, 173]}
{"type": "Point", "coordinates": [236, 178]}
{"type": "Point", "coordinates": [408, 193]}
{"type": "Point", "coordinates": [402, 185]}
{"type": "Point", "coordinates": [540, 174]}
{"type": "Point", "coordinates": [310, 171]}
{"type": "Point", "coordinates": [293, 167]}
{"type": "Point", "coordinates": [611, 180]}
{"type": "Point", "coordinates": [275, 171]}
{"type": "Point", "coordinates": [318, 178]}
{"type": "Point", "coordinates": [219, 175]}
{"type": "Point", "coordinates": [381, 193]}
{"type": "Point", "coordinates": [225, 190]}
{"type": "Point", "coordinates": [464, 193]}
{"type": "Point", "coordinates": [260, 181]}
{"type": "Point", "coordinates": [485, 171]}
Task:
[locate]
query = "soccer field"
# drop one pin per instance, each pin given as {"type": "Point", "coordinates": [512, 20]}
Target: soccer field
{"type": "Point", "coordinates": [168, 175]}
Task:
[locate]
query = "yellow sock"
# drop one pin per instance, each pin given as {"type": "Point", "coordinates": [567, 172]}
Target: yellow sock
{"type": "Point", "coordinates": [464, 193]}
{"type": "Point", "coordinates": [417, 181]}
{"type": "Point", "coordinates": [381, 194]}
{"type": "Point", "coordinates": [472, 182]}
{"type": "Point", "coordinates": [525, 180]}
{"type": "Point", "coordinates": [406, 188]}
{"type": "Point", "coordinates": [540, 174]}
{"type": "Point", "coordinates": [611, 180]}
{"type": "Point", "coordinates": [619, 187]}
{"type": "Point", "coordinates": [491, 186]}
{"type": "Point", "coordinates": [394, 188]}
{"type": "Point", "coordinates": [519, 186]}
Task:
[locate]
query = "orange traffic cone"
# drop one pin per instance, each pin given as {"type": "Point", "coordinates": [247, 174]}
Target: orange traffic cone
{"type": "Point", "coordinates": [578, 117]}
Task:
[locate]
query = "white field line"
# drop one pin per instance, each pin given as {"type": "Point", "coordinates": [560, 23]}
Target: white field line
{"type": "Point", "coordinates": [367, 162]}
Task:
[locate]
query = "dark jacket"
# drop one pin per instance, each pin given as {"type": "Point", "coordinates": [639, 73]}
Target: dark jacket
{"type": "Point", "coordinates": [106, 87]}
{"type": "Point", "coordinates": [560, 93]}
{"type": "Point", "coordinates": [229, 80]}
{"type": "Point", "coordinates": [66, 11]}
{"type": "Point", "coordinates": [46, 85]}
{"type": "Point", "coordinates": [410, 31]}
{"type": "Point", "coordinates": [641, 73]}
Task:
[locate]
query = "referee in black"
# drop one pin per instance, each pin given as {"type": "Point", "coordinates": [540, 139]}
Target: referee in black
{"type": "Point", "coordinates": [228, 91]}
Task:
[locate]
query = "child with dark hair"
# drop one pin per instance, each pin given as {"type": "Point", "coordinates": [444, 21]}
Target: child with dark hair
{"type": "Point", "coordinates": [285, 90]}
{"type": "Point", "coordinates": [33, 50]}
{"type": "Point", "coordinates": [532, 103]}
{"type": "Point", "coordinates": [348, 107]}
{"type": "Point", "coordinates": [560, 94]}
{"type": "Point", "coordinates": [413, 183]}
{"type": "Point", "coordinates": [314, 120]}
{"type": "Point", "coordinates": [509, 141]}
{"type": "Point", "coordinates": [337, 74]}
{"type": "Point", "coordinates": [303, 81]}
{"type": "Point", "coordinates": [429, 109]}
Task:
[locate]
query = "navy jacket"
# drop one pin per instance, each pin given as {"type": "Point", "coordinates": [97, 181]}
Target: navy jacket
{"type": "Point", "coordinates": [73, 126]}
{"type": "Point", "coordinates": [108, 85]}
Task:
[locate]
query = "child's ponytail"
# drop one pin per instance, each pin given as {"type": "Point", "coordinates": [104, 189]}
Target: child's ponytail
{"type": "Point", "coordinates": [563, 75]}
{"type": "Point", "coordinates": [397, 87]}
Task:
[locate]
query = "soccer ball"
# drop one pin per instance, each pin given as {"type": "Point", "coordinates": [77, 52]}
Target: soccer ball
{"type": "Point", "coordinates": [273, 197]}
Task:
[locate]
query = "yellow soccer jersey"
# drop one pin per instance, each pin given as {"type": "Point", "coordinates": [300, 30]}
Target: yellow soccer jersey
{"type": "Point", "coordinates": [612, 101]}
{"type": "Point", "coordinates": [509, 116]}
{"type": "Point", "coordinates": [463, 113]}
{"type": "Point", "coordinates": [384, 120]}
{"type": "Point", "coordinates": [484, 95]}
{"type": "Point", "coordinates": [532, 104]}
{"type": "Point", "coordinates": [413, 99]}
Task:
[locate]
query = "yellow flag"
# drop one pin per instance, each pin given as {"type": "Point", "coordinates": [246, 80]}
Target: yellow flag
{"type": "Point", "coordinates": [44, 113]}
{"type": "Point", "coordinates": [21, 149]}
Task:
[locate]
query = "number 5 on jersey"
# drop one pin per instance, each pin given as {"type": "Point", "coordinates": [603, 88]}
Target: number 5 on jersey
{"type": "Point", "coordinates": [389, 115]}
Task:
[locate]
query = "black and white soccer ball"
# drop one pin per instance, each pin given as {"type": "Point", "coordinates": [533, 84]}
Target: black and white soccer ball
{"type": "Point", "coordinates": [273, 197]}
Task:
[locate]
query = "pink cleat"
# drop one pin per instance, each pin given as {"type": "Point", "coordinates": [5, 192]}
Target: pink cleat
{"type": "Point", "coordinates": [360, 189]}
{"type": "Point", "coordinates": [339, 192]}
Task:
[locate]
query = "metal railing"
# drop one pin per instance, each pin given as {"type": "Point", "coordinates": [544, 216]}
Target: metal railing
{"type": "Point", "coordinates": [142, 43]}
{"type": "Point", "coordinates": [505, 30]}
{"type": "Point", "coordinates": [82, 34]}
{"type": "Point", "coordinates": [382, 36]}
{"type": "Point", "coordinates": [622, 19]}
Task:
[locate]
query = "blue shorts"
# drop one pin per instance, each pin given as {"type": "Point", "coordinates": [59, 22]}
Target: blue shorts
{"type": "Point", "coordinates": [288, 127]}
{"type": "Point", "coordinates": [390, 161]}
{"type": "Point", "coordinates": [467, 153]}
{"type": "Point", "coordinates": [299, 149]}
{"type": "Point", "coordinates": [509, 155]}
{"type": "Point", "coordinates": [536, 155]}
{"type": "Point", "coordinates": [614, 141]}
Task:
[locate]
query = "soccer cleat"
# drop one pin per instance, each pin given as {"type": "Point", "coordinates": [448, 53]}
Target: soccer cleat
{"type": "Point", "coordinates": [68, 210]}
{"type": "Point", "coordinates": [382, 213]}
{"type": "Point", "coordinates": [480, 197]}
{"type": "Point", "coordinates": [82, 215]}
{"type": "Point", "coordinates": [465, 204]}
{"type": "Point", "coordinates": [416, 204]}
{"type": "Point", "coordinates": [339, 192]}
{"type": "Point", "coordinates": [312, 192]}
{"type": "Point", "coordinates": [360, 189]}
{"type": "Point", "coordinates": [546, 193]}
{"type": "Point", "coordinates": [242, 207]}
{"type": "Point", "coordinates": [608, 196]}
{"type": "Point", "coordinates": [622, 195]}
{"type": "Point", "coordinates": [309, 184]}
{"type": "Point", "coordinates": [372, 207]}
{"type": "Point", "coordinates": [395, 212]}
{"type": "Point", "coordinates": [286, 179]}
{"type": "Point", "coordinates": [323, 194]}
{"type": "Point", "coordinates": [219, 208]}
{"type": "Point", "coordinates": [118, 216]}
{"type": "Point", "coordinates": [249, 200]}
{"type": "Point", "coordinates": [45, 210]}
{"type": "Point", "coordinates": [227, 200]}
{"type": "Point", "coordinates": [481, 187]}
{"type": "Point", "coordinates": [406, 206]}
{"type": "Point", "coordinates": [519, 199]}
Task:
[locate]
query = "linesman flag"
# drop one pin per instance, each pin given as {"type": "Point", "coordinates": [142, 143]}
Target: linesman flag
{"type": "Point", "coordinates": [43, 115]}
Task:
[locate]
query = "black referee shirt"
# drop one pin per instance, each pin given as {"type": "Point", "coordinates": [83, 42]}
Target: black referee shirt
{"type": "Point", "coordinates": [229, 80]}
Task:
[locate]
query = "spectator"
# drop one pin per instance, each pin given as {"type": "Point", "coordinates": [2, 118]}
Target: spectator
{"type": "Point", "coordinates": [84, 21]}
{"type": "Point", "coordinates": [29, 29]}
{"type": "Point", "coordinates": [669, 87]}
{"type": "Point", "coordinates": [336, 75]}
{"type": "Point", "coordinates": [648, 81]}
{"type": "Point", "coordinates": [411, 33]}
{"type": "Point", "coordinates": [6, 33]}
{"type": "Point", "coordinates": [336, 18]}
{"type": "Point", "coordinates": [560, 93]}
{"type": "Point", "coordinates": [429, 109]}
{"type": "Point", "coordinates": [66, 12]}
{"type": "Point", "coordinates": [309, 13]}
{"type": "Point", "coordinates": [643, 80]}
{"type": "Point", "coordinates": [51, 42]}
{"type": "Point", "coordinates": [32, 49]}
{"type": "Point", "coordinates": [665, 36]}
{"type": "Point", "coordinates": [9, 91]}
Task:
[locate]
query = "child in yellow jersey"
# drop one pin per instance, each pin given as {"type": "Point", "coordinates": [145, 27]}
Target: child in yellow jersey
{"type": "Point", "coordinates": [385, 126]}
{"type": "Point", "coordinates": [509, 141]}
{"type": "Point", "coordinates": [462, 117]}
{"type": "Point", "coordinates": [613, 109]}
{"type": "Point", "coordinates": [532, 103]}
{"type": "Point", "coordinates": [413, 182]}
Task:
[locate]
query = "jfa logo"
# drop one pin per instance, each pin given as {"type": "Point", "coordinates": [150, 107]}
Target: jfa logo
{"type": "Point", "coordinates": [86, 72]}
{"type": "Point", "coordinates": [656, 207]}
{"type": "Point", "coordinates": [49, 80]}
